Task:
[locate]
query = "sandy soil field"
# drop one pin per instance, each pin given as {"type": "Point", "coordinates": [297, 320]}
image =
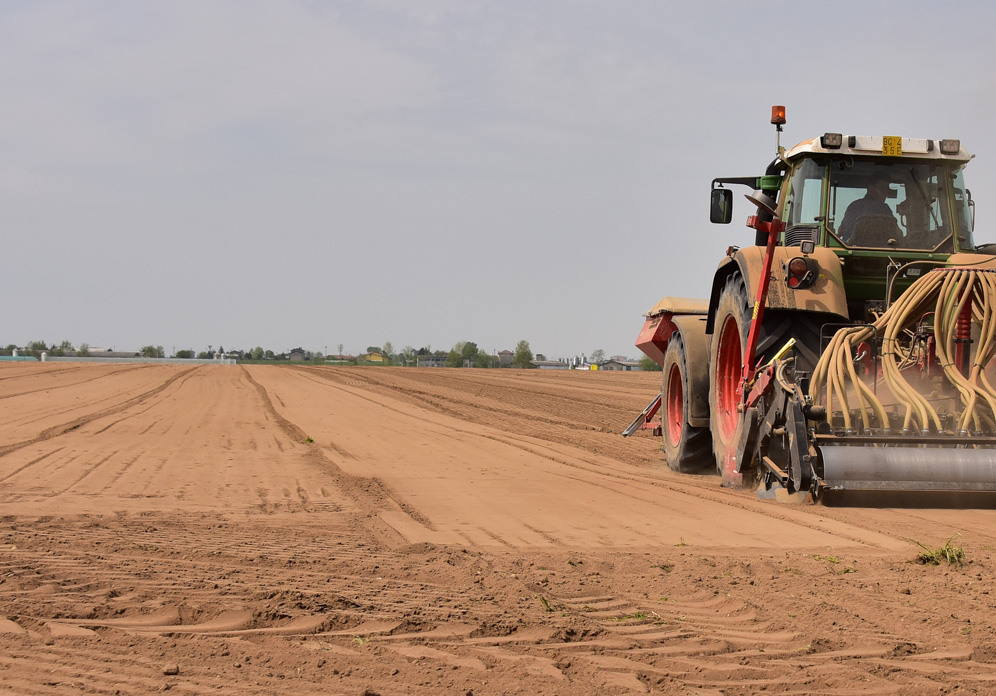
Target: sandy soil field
{"type": "Point", "coordinates": [302, 530]}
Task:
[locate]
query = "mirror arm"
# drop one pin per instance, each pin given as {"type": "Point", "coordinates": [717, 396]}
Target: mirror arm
{"type": "Point", "coordinates": [750, 181]}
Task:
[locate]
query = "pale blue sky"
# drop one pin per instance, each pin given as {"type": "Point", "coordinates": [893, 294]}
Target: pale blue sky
{"type": "Point", "coordinates": [311, 173]}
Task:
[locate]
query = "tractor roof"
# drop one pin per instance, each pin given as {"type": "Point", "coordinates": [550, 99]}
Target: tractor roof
{"type": "Point", "coordinates": [871, 146]}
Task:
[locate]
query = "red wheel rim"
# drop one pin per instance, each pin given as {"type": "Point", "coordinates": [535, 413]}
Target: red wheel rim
{"type": "Point", "coordinates": [675, 414]}
{"type": "Point", "coordinates": [728, 368]}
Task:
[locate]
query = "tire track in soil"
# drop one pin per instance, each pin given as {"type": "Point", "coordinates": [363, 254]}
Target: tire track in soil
{"type": "Point", "coordinates": [33, 462]}
{"type": "Point", "coordinates": [33, 374]}
{"type": "Point", "coordinates": [699, 490]}
{"type": "Point", "coordinates": [526, 407]}
{"type": "Point", "coordinates": [85, 475]}
{"type": "Point", "coordinates": [705, 488]}
{"type": "Point", "coordinates": [433, 405]}
{"type": "Point", "coordinates": [62, 429]}
{"type": "Point", "coordinates": [247, 561]}
{"type": "Point", "coordinates": [369, 492]}
{"type": "Point", "coordinates": [734, 643]}
{"type": "Point", "coordinates": [453, 408]}
{"type": "Point", "coordinates": [522, 420]}
{"type": "Point", "coordinates": [633, 636]}
{"type": "Point", "coordinates": [66, 385]}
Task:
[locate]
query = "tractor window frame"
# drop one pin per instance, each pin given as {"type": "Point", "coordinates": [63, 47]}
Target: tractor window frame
{"type": "Point", "coordinates": [960, 209]}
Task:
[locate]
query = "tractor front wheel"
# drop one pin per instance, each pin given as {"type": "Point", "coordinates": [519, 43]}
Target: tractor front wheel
{"type": "Point", "coordinates": [732, 321]}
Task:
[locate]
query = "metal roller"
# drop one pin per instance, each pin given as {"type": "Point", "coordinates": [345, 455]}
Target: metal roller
{"type": "Point", "coordinates": [908, 469]}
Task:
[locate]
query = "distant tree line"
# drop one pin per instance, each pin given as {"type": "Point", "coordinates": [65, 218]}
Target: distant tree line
{"type": "Point", "coordinates": [462, 354]}
{"type": "Point", "coordinates": [36, 348]}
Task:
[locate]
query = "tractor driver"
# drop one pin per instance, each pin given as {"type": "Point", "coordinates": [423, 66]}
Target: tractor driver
{"type": "Point", "coordinates": [872, 205]}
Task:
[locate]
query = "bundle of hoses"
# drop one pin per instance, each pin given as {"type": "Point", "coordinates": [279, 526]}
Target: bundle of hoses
{"type": "Point", "coordinates": [943, 292]}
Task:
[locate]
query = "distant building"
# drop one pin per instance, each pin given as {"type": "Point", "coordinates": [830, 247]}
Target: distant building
{"type": "Point", "coordinates": [116, 354]}
{"type": "Point", "coordinates": [297, 355]}
{"type": "Point", "coordinates": [430, 361]}
{"type": "Point", "coordinates": [506, 358]}
{"type": "Point", "coordinates": [371, 357]}
{"type": "Point", "coordinates": [621, 365]}
{"type": "Point", "coordinates": [550, 364]}
{"type": "Point", "coordinates": [579, 362]}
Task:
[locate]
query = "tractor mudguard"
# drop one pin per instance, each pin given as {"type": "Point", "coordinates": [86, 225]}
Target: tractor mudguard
{"type": "Point", "coordinates": [826, 294]}
{"type": "Point", "coordinates": [691, 328]}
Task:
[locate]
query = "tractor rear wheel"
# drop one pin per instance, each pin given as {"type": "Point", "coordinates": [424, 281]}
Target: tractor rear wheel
{"type": "Point", "coordinates": [686, 448]}
{"type": "Point", "coordinates": [729, 335]}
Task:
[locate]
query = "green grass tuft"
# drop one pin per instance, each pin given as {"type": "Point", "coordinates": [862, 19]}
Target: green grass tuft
{"type": "Point", "coordinates": [953, 555]}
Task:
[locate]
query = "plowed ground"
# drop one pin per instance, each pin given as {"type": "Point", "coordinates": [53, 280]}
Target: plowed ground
{"type": "Point", "coordinates": [282, 530]}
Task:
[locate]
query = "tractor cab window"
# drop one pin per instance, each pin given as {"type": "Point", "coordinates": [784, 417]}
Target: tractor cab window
{"type": "Point", "coordinates": [963, 210]}
{"type": "Point", "coordinates": [890, 205]}
{"type": "Point", "coordinates": [802, 197]}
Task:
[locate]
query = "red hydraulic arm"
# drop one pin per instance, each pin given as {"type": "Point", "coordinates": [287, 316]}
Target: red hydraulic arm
{"type": "Point", "coordinates": [773, 228]}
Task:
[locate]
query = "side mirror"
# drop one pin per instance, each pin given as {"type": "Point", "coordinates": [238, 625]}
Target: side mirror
{"type": "Point", "coordinates": [721, 206]}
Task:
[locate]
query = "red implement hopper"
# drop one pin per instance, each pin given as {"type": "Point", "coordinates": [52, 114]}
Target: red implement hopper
{"type": "Point", "coordinates": [659, 326]}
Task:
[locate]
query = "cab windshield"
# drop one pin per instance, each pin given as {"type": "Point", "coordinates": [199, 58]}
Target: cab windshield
{"type": "Point", "coordinates": [893, 205]}
{"type": "Point", "coordinates": [879, 205]}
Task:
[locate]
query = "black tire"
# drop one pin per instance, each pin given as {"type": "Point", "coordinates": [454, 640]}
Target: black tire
{"type": "Point", "coordinates": [729, 335]}
{"type": "Point", "coordinates": [686, 448]}
{"type": "Point", "coordinates": [781, 325]}
{"type": "Point", "coordinates": [733, 314]}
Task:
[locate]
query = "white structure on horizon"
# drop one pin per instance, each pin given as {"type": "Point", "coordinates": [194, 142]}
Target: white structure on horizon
{"type": "Point", "coordinates": [580, 362]}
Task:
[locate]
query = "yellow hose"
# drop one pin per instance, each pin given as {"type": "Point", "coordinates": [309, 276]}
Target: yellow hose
{"type": "Point", "coordinates": [948, 293]}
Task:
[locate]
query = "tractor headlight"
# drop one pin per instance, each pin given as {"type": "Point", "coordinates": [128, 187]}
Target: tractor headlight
{"type": "Point", "coordinates": [950, 147]}
{"type": "Point", "coordinates": [831, 141]}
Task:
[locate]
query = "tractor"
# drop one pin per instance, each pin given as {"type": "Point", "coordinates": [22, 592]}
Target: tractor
{"type": "Point", "coordinates": [850, 347]}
